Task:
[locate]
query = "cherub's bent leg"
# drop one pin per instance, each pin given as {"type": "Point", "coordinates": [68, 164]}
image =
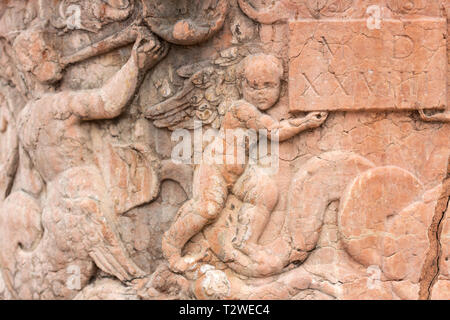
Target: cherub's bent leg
{"type": "Point", "coordinates": [252, 220]}
{"type": "Point", "coordinates": [260, 195]}
{"type": "Point", "coordinates": [209, 196]}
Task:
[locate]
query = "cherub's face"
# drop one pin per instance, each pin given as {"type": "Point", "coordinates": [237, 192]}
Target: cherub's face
{"type": "Point", "coordinates": [261, 88]}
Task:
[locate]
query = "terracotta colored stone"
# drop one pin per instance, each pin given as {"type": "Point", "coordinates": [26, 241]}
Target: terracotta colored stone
{"type": "Point", "coordinates": [337, 65]}
{"type": "Point", "coordinates": [117, 180]}
{"type": "Point", "coordinates": [387, 232]}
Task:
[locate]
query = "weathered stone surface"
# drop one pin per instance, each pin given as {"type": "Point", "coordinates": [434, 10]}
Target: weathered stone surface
{"type": "Point", "coordinates": [344, 65]}
{"type": "Point", "coordinates": [387, 232]}
{"type": "Point", "coordinates": [441, 289]}
{"type": "Point", "coordinates": [118, 179]}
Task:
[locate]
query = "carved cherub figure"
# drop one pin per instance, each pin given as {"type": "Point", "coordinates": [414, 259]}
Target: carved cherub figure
{"type": "Point", "coordinates": [75, 210]}
{"type": "Point", "coordinates": [261, 83]}
{"type": "Point", "coordinates": [59, 117]}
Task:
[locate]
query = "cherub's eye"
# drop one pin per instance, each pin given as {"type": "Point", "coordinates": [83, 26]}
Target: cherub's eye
{"type": "Point", "coordinates": [250, 85]}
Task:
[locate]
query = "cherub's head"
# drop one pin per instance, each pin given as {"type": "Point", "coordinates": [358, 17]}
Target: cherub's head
{"type": "Point", "coordinates": [262, 80]}
{"type": "Point", "coordinates": [36, 55]}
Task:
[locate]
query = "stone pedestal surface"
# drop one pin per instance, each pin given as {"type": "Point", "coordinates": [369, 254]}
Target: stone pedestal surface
{"type": "Point", "coordinates": [117, 180]}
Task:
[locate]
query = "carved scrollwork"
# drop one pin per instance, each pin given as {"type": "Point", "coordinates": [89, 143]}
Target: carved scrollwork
{"type": "Point", "coordinates": [180, 22]}
{"type": "Point", "coordinates": [91, 185]}
{"type": "Point", "coordinates": [407, 6]}
{"type": "Point", "coordinates": [284, 10]}
{"type": "Point", "coordinates": [328, 8]}
{"type": "Point", "coordinates": [436, 117]}
{"type": "Point", "coordinates": [91, 16]}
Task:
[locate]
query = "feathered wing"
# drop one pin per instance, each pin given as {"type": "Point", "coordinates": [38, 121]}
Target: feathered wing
{"type": "Point", "coordinates": [106, 247]}
{"type": "Point", "coordinates": [203, 98]}
{"type": "Point", "coordinates": [79, 210]}
{"type": "Point", "coordinates": [129, 175]}
{"type": "Point", "coordinates": [9, 153]}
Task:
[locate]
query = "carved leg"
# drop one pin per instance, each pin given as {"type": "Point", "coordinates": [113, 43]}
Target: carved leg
{"type": "Point", "coordinates": [251, 223]}
{"type": "Point", "coordinates": [260, 195]}
{"type": "Point", "coordinates": [210, 193]}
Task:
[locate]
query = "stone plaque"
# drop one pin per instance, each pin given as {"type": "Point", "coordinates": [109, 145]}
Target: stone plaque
{"type": "Point", "coordinates": [350, 65]}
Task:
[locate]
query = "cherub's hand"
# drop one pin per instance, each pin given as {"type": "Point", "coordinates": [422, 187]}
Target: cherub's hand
{"type": "Point", "coordinates": [312, 119]}
{"type": "Point", "coordinates": [441, 116]}
{"type": "Point", "coordinates": [148, 49]}
{"type": "Point", "coordinates": [423, 116]}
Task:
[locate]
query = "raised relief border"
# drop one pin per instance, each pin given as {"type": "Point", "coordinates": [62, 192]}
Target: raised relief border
{"type": "Point", "coordinates": [347, 65]}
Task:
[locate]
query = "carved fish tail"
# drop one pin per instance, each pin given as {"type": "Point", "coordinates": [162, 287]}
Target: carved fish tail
{"type": "Point", "coordinates": [20, 231]}
{"type": "Point", "coordinates": [319, 182]}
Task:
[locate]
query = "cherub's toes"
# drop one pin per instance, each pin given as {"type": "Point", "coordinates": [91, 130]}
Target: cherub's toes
{"type": "Point", "coordinates": [179, 266]}
{"type": "Point", "coordinates": [236, 242]}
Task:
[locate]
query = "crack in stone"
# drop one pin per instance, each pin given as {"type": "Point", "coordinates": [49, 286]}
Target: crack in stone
{"type": "Point", "coordinates": [430, 271]}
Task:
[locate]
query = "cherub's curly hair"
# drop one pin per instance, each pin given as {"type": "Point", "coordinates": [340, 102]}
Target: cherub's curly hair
{"type": "Point", "coordinates": [271, 61]}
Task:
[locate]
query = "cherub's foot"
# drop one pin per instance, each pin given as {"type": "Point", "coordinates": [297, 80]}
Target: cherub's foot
{"type": "Point", "coordinates": [239, 240]}
{"type": "Point", "coordinates": [246, 248]}
{"type": "Point", "coordinates": [236, 243]}
{"type": "Point", "coordinates": [183, 264]}
{"type": "Point", "coordinates": [162, 284]}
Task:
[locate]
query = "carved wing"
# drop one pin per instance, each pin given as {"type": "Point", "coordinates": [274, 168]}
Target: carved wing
{"type": "Point", "coordinates": [203, 98]}
{"type": "Point", "coordinates": [9, 152]}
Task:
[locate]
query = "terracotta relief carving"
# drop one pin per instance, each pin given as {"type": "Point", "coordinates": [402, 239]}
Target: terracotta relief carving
{"type": "Point", "coordinates": [224, 149]}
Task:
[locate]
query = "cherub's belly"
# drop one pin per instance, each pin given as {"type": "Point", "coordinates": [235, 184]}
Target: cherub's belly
{"type": "Point", "coordinates": [231, 160]}
{"type": "Point", "coordinates": [231, 173]}
{"type": "Point", "coordinates": [53, 153]}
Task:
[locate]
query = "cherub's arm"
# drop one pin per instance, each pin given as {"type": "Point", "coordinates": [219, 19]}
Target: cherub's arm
{"type": "Point", "coordinates": [281, 130]}
{"type": "Point", "coordinates": [438, 117]}
{"type": "Point", "coordinates": [109, 101]}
